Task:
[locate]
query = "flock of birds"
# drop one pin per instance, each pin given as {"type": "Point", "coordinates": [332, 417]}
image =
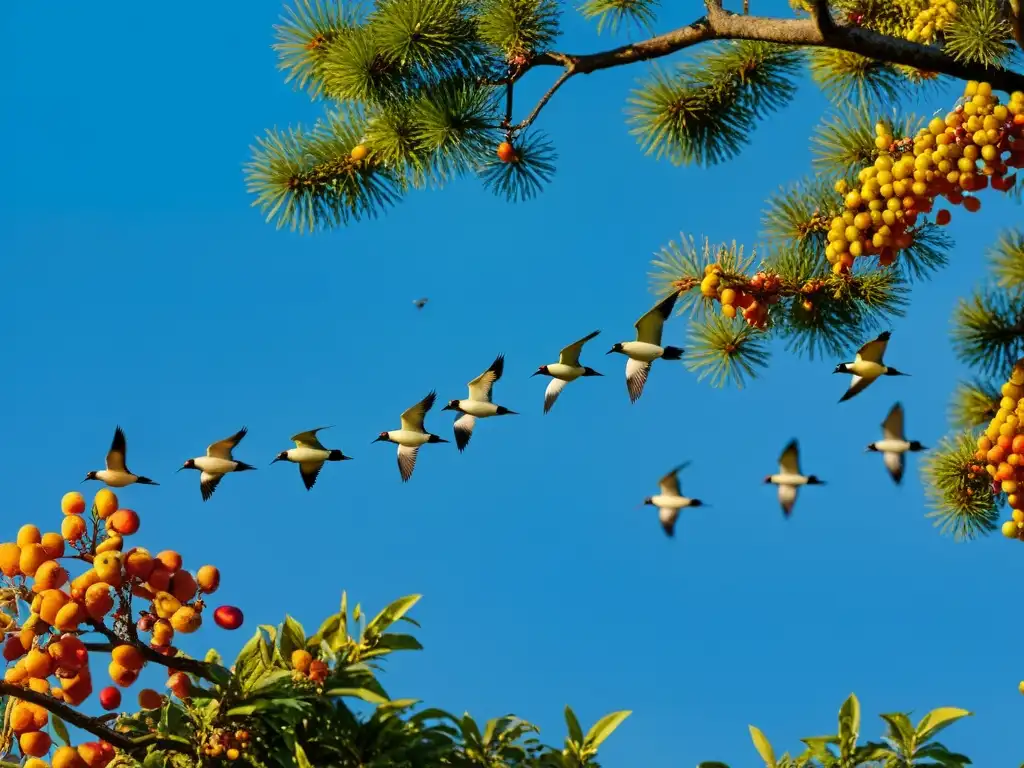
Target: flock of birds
{"type": "Point", "coordinates": [310, 454]}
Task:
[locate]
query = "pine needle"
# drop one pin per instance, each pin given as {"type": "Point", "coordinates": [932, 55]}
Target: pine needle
{"type": "Point", "coordinates": [682, 266]}
{"type": "Point", "coordinates": [849, 77]}
{"type": "Point", "coordinates": [306, 33]}
{"type": "Point", "coordinates": [979, 33]}
{"type": "Point", "coordinates": [928, 253]}
{"type": "Point", "coordinates": [726, 350]}
{"type": "Point", "coordinates": [974, 404]}
{"type": "Point", "coordinates": [799, 216]}
{"type": "Point", "coordinates": [433, 36]}
{"type": "Point", "coordinates": [988, 330]}
{"type": "Point", "coordinates": [523, 179]}
{"type": "Point", "coordinates": [1006, 258]}
{"type": "Point", "coordinates": [962, 501]}
{"type": "Point", "coordinates": [518, 27]}
{"type": "Point", "coordinates": [845, 143]}
{"type": "Point", "coordinates": [612, 15]}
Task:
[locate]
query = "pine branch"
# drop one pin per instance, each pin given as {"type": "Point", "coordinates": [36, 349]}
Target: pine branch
{"type": "Point", "coordinates": [682, 266]}
{"type": "Point", "coordinates": [705, 112]}
{"type": "Point", "coordinates": [988, 330]}
{"type": "Point", "coordinates": [849, 77]}
{"type": "Point", "coordinates": [979, 33]}
{"type": "Point", "coordinates": [307, 32]}
{"type": "Point", "coordinates": [612, 15]}
{"type": "Point", "coordinates": [845, 144]}
{"type": "Point", "coordinates": [518, 28]}
{"type": "Point", "coordinates": [974, 404]}
{"type": "Point", "coordinates": [726, 350]}
{"type": "Point", "coordinates": [432, 36]}
{"type": "Point", "coordinates": [1006, 259]}
{"type": "Point", "coordinates": [524, 177]}
{"type": "Point", "coordinates": [958, 490]}
{"type": "Point", "coordinates": [927, 252]}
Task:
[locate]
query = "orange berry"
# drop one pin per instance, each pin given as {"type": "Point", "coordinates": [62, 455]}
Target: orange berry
{"type": "Point", "coordinates": [53, 543]}
{"type": "Point", "coordinates": [38, 684]}
{"type": "Point", "coordinates": [32, 556]}
{"type": "Point", "coordinates": [943, 217]}
{"type": "Point", "coordinates": [359, 152]}
{"type": "Point", "coordinates": [170, 559]}
{"type": "Point", "coordinates": [180, 685]}
{"type": "Point", "coordinates": [186, 620]}
{"type": "Point", "coordinates": [98, 600]}
{"type": "Point", "coordinates": [108, 568]}
{"type": "Point", "coordinates": [128, 656]}
{"type": "Point", "coordinates": [73, 528]}
{"type": "Point", "coordinates": [208, 579]}
{"type": "Point", "coordinates": [163, 633]}
{"type": "Point", "coordinates": [138, 563]}
{"type": "Point", "coordinates": [22, 718]}
{"type": "Point", "coordinates": [28, 534]}
{"type": "Point", "coordinates": [38, 664]}
{"type": "Point", "coordinates": [78, 688]}
{"type": "Point", "coordinates": [69, 617]}
{"type": "Point", "coordinates": [159, 578]}
{"type": "Point", "coordinates": [52, 601]}
{"type": "Point", "coordinates": [125, 522]}
{"type": "Point", "coordinates": [105, 502]}
{"type": "Point", "coordinates": [50, 575]}
{"type": "Point", "coordinates": [113, 543]}
{"type": "Point", "coordinates": [301, 659]}
{"type": "Point", "coordinates": [67, 757]}
{"type": "Point", "coordinates": [150, 699]}
{"type": "Point", "coordinates": [121, 676]}
{"type": "Point", "coordinates": [110, 698]}
{"type": "Point", "coordinates": [72, 503]}
{"type": "Point", "coordinates": [93, 754]}
{"type": "Point", "coordinates": [506, 152]}
{"type": "Point", "coordinates": [10, 557]}
{"type": "Point", "coordinates": [183, 586]}
{"type": "Point", "coordinates": [35, 744]}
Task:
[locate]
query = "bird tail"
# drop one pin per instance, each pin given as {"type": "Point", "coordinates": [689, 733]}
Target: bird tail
{"type": "Point", "coordinates": [242, 466]}
{"type": "Point", "coordinates": [673, 353]}
{"type": "Point", "coordinates": [145, 481]}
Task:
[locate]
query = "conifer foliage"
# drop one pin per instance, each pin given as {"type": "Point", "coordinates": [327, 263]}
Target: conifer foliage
{"type": "Point", "coordinates": [420, 92]}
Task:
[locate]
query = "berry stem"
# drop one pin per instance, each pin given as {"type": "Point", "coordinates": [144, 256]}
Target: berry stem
{"type": "Point", "coordinates": [179, 663]}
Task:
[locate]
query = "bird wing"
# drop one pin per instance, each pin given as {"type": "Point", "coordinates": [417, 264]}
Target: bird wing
{"type": "Point", "coordinates": [308, 438]}
{"type": "Point", "coordinates": [463, 430]}
{"type": "Point", "coordinates": [873, 351]}
{"type": "Point", "coordinates": [407, 461]}
{"type": "Point", "coordinates": [570, 355]}
{"type": "Point", "coordinates": [857, 385]}
{"type": "Point", "coordinates": [787, 498]}
{"type": "Point", "coordinates": [208, 484]}
{"type": "Point", "coordinates": [309, 471]}
{"type": "Point", "coordinates": [412, 419]}
{"type": "Point", "coordinates": [668, 518]}
{"type": "Point", "coordinates": [894, 462]}
{"type": "Point", "coordinates": [669, 484]}
{"type": "Point", "coordinates": [222, 448]}
{"type": "Point", "coordinates": [554, 389]}
{"type": "Point", "coordinates": [480, 387]}
{"type": "Point", "coordinates": [789, 461]}
{"type": "Point", "coordinates": [420, 303]}
{"type": "Point", "coordinates": [892, 427]}
{"type": "Point", "coordinates": [117, 456]}
{"type": "Point", "coordinates": [636, 377]}
{"type": "Point", "coordinates": [648, 327]}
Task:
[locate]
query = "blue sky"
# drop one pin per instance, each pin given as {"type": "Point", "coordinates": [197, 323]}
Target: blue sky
{"type": "Point", "coordinates": [139, 288]}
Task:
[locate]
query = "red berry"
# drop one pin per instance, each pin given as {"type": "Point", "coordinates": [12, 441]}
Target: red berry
{"type": "Point", "coordinates": [506, 152]}
{"type": "Point", "coordinates": [228, 617]}
{"type": "Point", "coordinates": [110, 698]}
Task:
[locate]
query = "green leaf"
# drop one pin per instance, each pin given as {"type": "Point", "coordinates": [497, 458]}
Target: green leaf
{"type": "Point", "coordinates": [249, 664]}
{"type": "Point", "coordinates": [900, 727]}
{"type": "Point", "coordinates": [327, 631]}
{"type": "Point", "coordinates": [391, 614]}
{"type": "Point", "coordinates": [604, 728]}
{"type": "Point", "coordinates": [470, 730]}
{"type": "Point", "coordinates": [938, 719]}
{"type": "Point", "coordinates": [264, 704]}
{"type": "Point", "coordinates": [268, 679]}
{"type": "Point", "coordinates": [60, 730]}
{"type": "Point", "coordinates": [849, 719]}
{"type": "Point", "coordinates": [293, 637]}
{"type": "Point", "coordinates": [763, 746]}
{"type": "Point", "coordinates": [573, 724]}
{"type": "Point", "coordinates": [301, 761]}
{"type": "Point", "coordinates": [358, 693]}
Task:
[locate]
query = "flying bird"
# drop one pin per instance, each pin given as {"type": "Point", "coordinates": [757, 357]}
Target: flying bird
{"type": "Point", "coordinates": [310, 455]}
{"type": "Point", "coordinates": [789, 477]}
{"type": "Point", "coordinates": [411, 435]}
{"type": "Point", "coordinates": [117, 474]}
{"type": "Point", "coordinates": [420, 303]}
{"type": "Point", "coordinates": [867, 366]}
{"type": "Point", "coordinates": [670, 500]}
{"type": "Point", "coordinates": [478, 405]}
{"type": "Point", "coordinates": [567, 369]}
{"type": "Point", "coordinates": [217, 462]}
{"type": "Point", "coordinates": [893, 446]}
{"type": "Point", "coordinates": [647, 347]}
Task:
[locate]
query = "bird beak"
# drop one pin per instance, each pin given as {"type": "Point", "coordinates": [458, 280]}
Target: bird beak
{"type": "Point", "coordinates": [276, 459]}
{"type": "Point", "coordinates": [179, 469]}
{"type": "Point", "coordinates": [346, 458]}
{"type": "Point", "coordinates": [375, 440]}
{"type": "Point", "coordinates": [610, 351]}
{"type": "Point", "coordinates": [447, 408]}
{"type": "Point", "coordinates": [535, 373]}
{"type": "Point", "coordinates": [84, 481]}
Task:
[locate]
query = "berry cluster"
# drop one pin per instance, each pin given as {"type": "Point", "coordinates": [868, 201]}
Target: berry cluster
{"type": "Point", "coordinates": [225, 743]}
{"type": "Point", "coordinates": [748, 297]}
{"type": "Point", "coordinates": [974, 147]}
{"type": "Point", "coordinates": [308, 668]}
{"type": "Point", "coordinates": [1001, 447]}
{"type": "Point", "coordinates": [931, 21]}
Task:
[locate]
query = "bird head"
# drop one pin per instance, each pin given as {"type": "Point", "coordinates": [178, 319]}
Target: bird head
{"type": "Point", "coordinates": [767, 478]}
{"type": "Point", "coordinates": [383, 436]}
{"type": "Point", "coordinates": [616, 348]}
{"type": "Point", "coordinates": [453, 405]}
{"type": "Point", "coordinates": [280, 457]}
{"type": "Point", "coordinates": [190, 464]}
{"type": "Point", "coordinates": [841, 368]}
{"type": "Point", "coordinates": [871, 447]}
{"type": "Point", "coordinates": [541, 371]}
{"type": "Point", "coordinates": [90, 476]}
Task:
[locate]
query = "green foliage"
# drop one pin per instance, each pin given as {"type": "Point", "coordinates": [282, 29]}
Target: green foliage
{"type": "Point", "coordinates": [961, 499]}
{"type": "Point", "coordinates": [846, 77]}
{"type": "Point", "coordinates": [980, 33]}
{"type": "Point", "coordinates": [844, 143]}
{"type": "Point", "coordinates": [518, 27]}
{"type": "Point", "coordinates": [612, 15]}
{"type": "Point", "coordinates": [974, 404]}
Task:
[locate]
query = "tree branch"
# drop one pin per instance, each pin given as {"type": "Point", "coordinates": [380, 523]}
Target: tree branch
{"type": "Point", "coordinates": [180, 663]}
{"type": "Point", "coordinates": [90, 724]}
{"type": "Point", "coordinates": [570, 70]}
{"type": "Point", "coordinates": [820, 31]}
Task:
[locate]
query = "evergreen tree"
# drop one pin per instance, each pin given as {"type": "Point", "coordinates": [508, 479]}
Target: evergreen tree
{"type": "Point", "coordinates": [420, 92]}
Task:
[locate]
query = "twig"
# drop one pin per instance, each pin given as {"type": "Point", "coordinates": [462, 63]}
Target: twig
{"type": "Point", "coordinates": [1016, 24]}
{"type": "Point", "coordinates": [179, 663]}
{"type": "Point", "coordinates": [562, 79]}
{"type": "Point", "coordinates": [90, 724]}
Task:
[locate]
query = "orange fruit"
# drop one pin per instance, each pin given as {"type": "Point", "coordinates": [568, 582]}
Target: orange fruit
{"type": "Point", "coordinates": [506, 152]}
{"type": "Point", "coordinates": [22, 718]}
{"type": "Point", "coordinates": [10, 557]}
{"type": "Point", "coordinates": [110, 698]}
{"type": "Point", "coordinates": [150, 699]}
{"type": "Point", "coordinates": [180, 685]}
{"type": "Point", "coordinates": [318, 671]}
{"type": "Point", "coordinates": [15, 675]}
{"type": "Point", "coordinates": [53, 543]}
{"type": "Point", "coordinates": [69, 617]}
{"type": "Point", "coordinates": [359, 151]}
{"type": "Point", "coordinates": [35, 762]}
{"type": "Point", "coordinates": [35, 744]}
{"type": "Point", "coordinates": [78, 688]}
{"type": "Point", "coordinates": [186, 620]}
{"type": "Point", "coordinates": [38, 664]}
{"type": "Point", "coordinates": [93, 754]}
{"type": "Point", "coordinates": [138, 563]}
{"type": "Point", "coordinates": [125, 522]}
{"type": "Point", "coordinates": [113, 543]}
{"type": "Point", "coordinates": [28, 534]}
{"type": "Point", "coordinates": [32, 556]}
{"type": "Point", "coordinates": [105, 502]}
{"type": "Point", "coordinates": [52, 601]}
{"type": "Point", "coordinates": [72, 503]}
{"type": "Point", "coordinates": [50, 575]}
{"type": "Point", "coordinates": [98, 600]}
{"type": "Point", "coordinates": [943, 217]}
{"type": "Point", "coordinates": [170, 558]}
{"type": "Point", "coordinates": [121, 676]}
{"type": "Point", "coordinates": [159, 578]}
{"type": "Point", "coordinates": [972, 204]}
{"type": "Point", "coordinates": [108, 568]}
{"type": "Point", "coordinates": [183, 586]}
{"type": "Point", "coordinates": [301, 660]}
{"type": "Point", "coordinates": [72, 528]}
{"type": "Point", "coordinates": [142, 591]}
{"type": "Point", "coordinates": [163, 633]}
{"type": "Point", "coordinates": [1017, 446]}
{"type": "Point", "coordinates": [208, 579]}
{"type": "Point", "coordinates": [165, 604]}
{"type": "Point", "coordinates": [128, 656]}
{"type": "Point", "coordinates": [67, 757]}
{"type": "Point", "coordinates": [38, 684]}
